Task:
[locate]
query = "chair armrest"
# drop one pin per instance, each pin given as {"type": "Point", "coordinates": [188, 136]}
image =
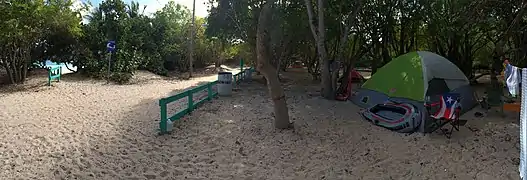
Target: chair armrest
{"type": "Point", "coordinates": [432, 104]}
{"type": "Point", "coordinates": [429, 106]}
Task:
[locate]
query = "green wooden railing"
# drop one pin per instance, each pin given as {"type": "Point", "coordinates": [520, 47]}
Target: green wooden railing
{"type": "Point", "coordinates": [191, 102]}
{"type": "Point", "coordinates": [54, 74]}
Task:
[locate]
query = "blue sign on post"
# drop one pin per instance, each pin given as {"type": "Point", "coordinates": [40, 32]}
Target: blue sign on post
{"type": "Point", "coordinates": [110, 46]}
{"type": "Point", "coordinates": [111, 49]}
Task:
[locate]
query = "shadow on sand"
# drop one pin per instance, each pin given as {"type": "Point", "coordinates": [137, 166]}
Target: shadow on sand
{"type": "Point", "coordinates": [36, 81]}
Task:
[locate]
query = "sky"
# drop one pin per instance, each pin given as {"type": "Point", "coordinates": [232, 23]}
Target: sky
{"type": "Point", "coordinates": [154, 5]}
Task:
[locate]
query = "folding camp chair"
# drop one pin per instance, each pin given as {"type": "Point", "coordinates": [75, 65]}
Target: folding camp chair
{"type": "Point", "coordinates": [448, 112]}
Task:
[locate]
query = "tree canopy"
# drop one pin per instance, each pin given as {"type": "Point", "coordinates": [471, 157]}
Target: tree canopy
{"type": "Point", "coordinates": [367, 33]}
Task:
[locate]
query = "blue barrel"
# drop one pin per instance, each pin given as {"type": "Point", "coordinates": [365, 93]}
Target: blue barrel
{"type": "Point", "coordinates": [224, 83]}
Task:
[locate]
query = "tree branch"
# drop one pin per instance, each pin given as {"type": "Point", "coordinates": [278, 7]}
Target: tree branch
{"type": "Point", "coordinates": [234, 18]}
{"type": "Point", "coordinates": [309, 7]}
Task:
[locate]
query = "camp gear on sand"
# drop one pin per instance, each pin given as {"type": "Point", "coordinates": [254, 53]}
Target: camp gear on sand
{"type": "Point", "coordinates": [400, 117]}
{"type": "Point", "coordinates": [513, 81]}
{"type": "Point", "coordinates": [411, 78]}
{"type": "Point", "coordinates": [346, 88]}
{"type": "Point", "coordinates": [447, 112]}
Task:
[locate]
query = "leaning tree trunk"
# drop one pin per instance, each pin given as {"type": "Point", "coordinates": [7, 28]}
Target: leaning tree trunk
{"type": "Point", "coordinates": [319, 35]}
{"type": "Point", "coordinates": [275, 89]}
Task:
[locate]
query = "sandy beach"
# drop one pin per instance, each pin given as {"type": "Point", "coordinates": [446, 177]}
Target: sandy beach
{"type": "Point", "coordinates": [90, 130]}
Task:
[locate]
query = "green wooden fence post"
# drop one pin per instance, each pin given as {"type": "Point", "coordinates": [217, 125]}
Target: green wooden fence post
{"type": "Point", "coordinates": [241, 64]}
{"type": "Point", "coordinates": [209, 91]}
{"type": "Point", "coordinates": [49, 77]}
{"type": "Point", "coordinates": [190, 101]}
{"type": "Point", "coordinates": [163, 121]}
{"type": "Point", "coordinates": [215, 83]}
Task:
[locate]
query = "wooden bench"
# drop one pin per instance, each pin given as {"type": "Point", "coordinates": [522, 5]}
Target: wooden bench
{"type": "Point", "coordinates": [54, 73]}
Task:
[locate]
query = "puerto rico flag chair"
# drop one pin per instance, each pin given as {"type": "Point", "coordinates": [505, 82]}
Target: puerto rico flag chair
{"type": "Point", "coordinates": [445, 111]}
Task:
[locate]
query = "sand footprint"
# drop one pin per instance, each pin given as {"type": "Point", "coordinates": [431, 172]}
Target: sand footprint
{"type": "Point", "coordinates": [164, 174]}
{"type": "Point", "coordinates": [85, 162]}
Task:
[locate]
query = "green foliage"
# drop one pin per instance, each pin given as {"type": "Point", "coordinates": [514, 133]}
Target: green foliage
{"type": "Point", "coordinates": [366, 32]}
{"type": "Point", "coordinates": [156, 43]}
{"type": "Point", "coordinates": [31, 29]}
{"type": "Point", "coordinates": [121, 78]}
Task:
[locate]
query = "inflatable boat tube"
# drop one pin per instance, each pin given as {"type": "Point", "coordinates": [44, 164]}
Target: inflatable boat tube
{"type": "Point", "coordinates": [398, 117]}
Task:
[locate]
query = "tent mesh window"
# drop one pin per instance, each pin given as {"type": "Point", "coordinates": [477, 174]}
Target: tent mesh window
{"type": "Point", "coordinates": [437, 86]}
{"type": "Point", "coordinates": [365, 100]}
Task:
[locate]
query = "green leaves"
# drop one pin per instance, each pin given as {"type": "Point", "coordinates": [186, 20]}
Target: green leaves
{"type": "Point", "coordinates": [464, 31]}
{"type": "Point", "coordinates": [155, 43]}
{"type": "Point", "coordinates": [29, 32]}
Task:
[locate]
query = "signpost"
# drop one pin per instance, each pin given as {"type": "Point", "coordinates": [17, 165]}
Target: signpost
{"type": "Point", "coordinates": [110, 46]}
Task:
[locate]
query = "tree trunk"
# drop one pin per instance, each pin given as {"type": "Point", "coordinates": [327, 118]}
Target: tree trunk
{"type": "Point", "coordinates": [217, 64]}
{"type": "Point", "coordinates": [335, 75]}
{"type": "Point", "coordinates": [16, 64]}
{"type": "Point", "coordinates": [9, 73]}
{"type": "Point", "coordinates": [327, 90]}
{"type": "Point", "coordinates": [376, 55]}
{"type": "Point", "coordinates": [26, 59]}
{"type": "Point", "coordinates": [496, 68]}
{"type": "Point", "coordinates": [24, 73]}
{"type": "Point", "coordinates": [16, 70]}
{"type": "Point", "coordinates": [278, 67]}
{"type": "Point", "coordinates": [275, 89]}
{"type": "Point", "coordinates": [312, 65]}
{"type": "Point", "coordinates": [283, 52]}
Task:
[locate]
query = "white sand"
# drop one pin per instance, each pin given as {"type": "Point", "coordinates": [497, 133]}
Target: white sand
{"type": "Point", "coordinates": [88, 130]}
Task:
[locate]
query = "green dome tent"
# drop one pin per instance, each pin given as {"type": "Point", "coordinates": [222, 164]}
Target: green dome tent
{"type": "Point", "coordinates": [414, 78]}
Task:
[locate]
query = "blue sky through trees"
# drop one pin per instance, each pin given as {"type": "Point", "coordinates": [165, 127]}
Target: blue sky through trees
{"type": "Point", "coordinates": [154, 5]}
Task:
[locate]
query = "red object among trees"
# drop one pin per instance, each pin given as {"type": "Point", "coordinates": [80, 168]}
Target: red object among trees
{"type": "Point", "coordinates": [345, 88]}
